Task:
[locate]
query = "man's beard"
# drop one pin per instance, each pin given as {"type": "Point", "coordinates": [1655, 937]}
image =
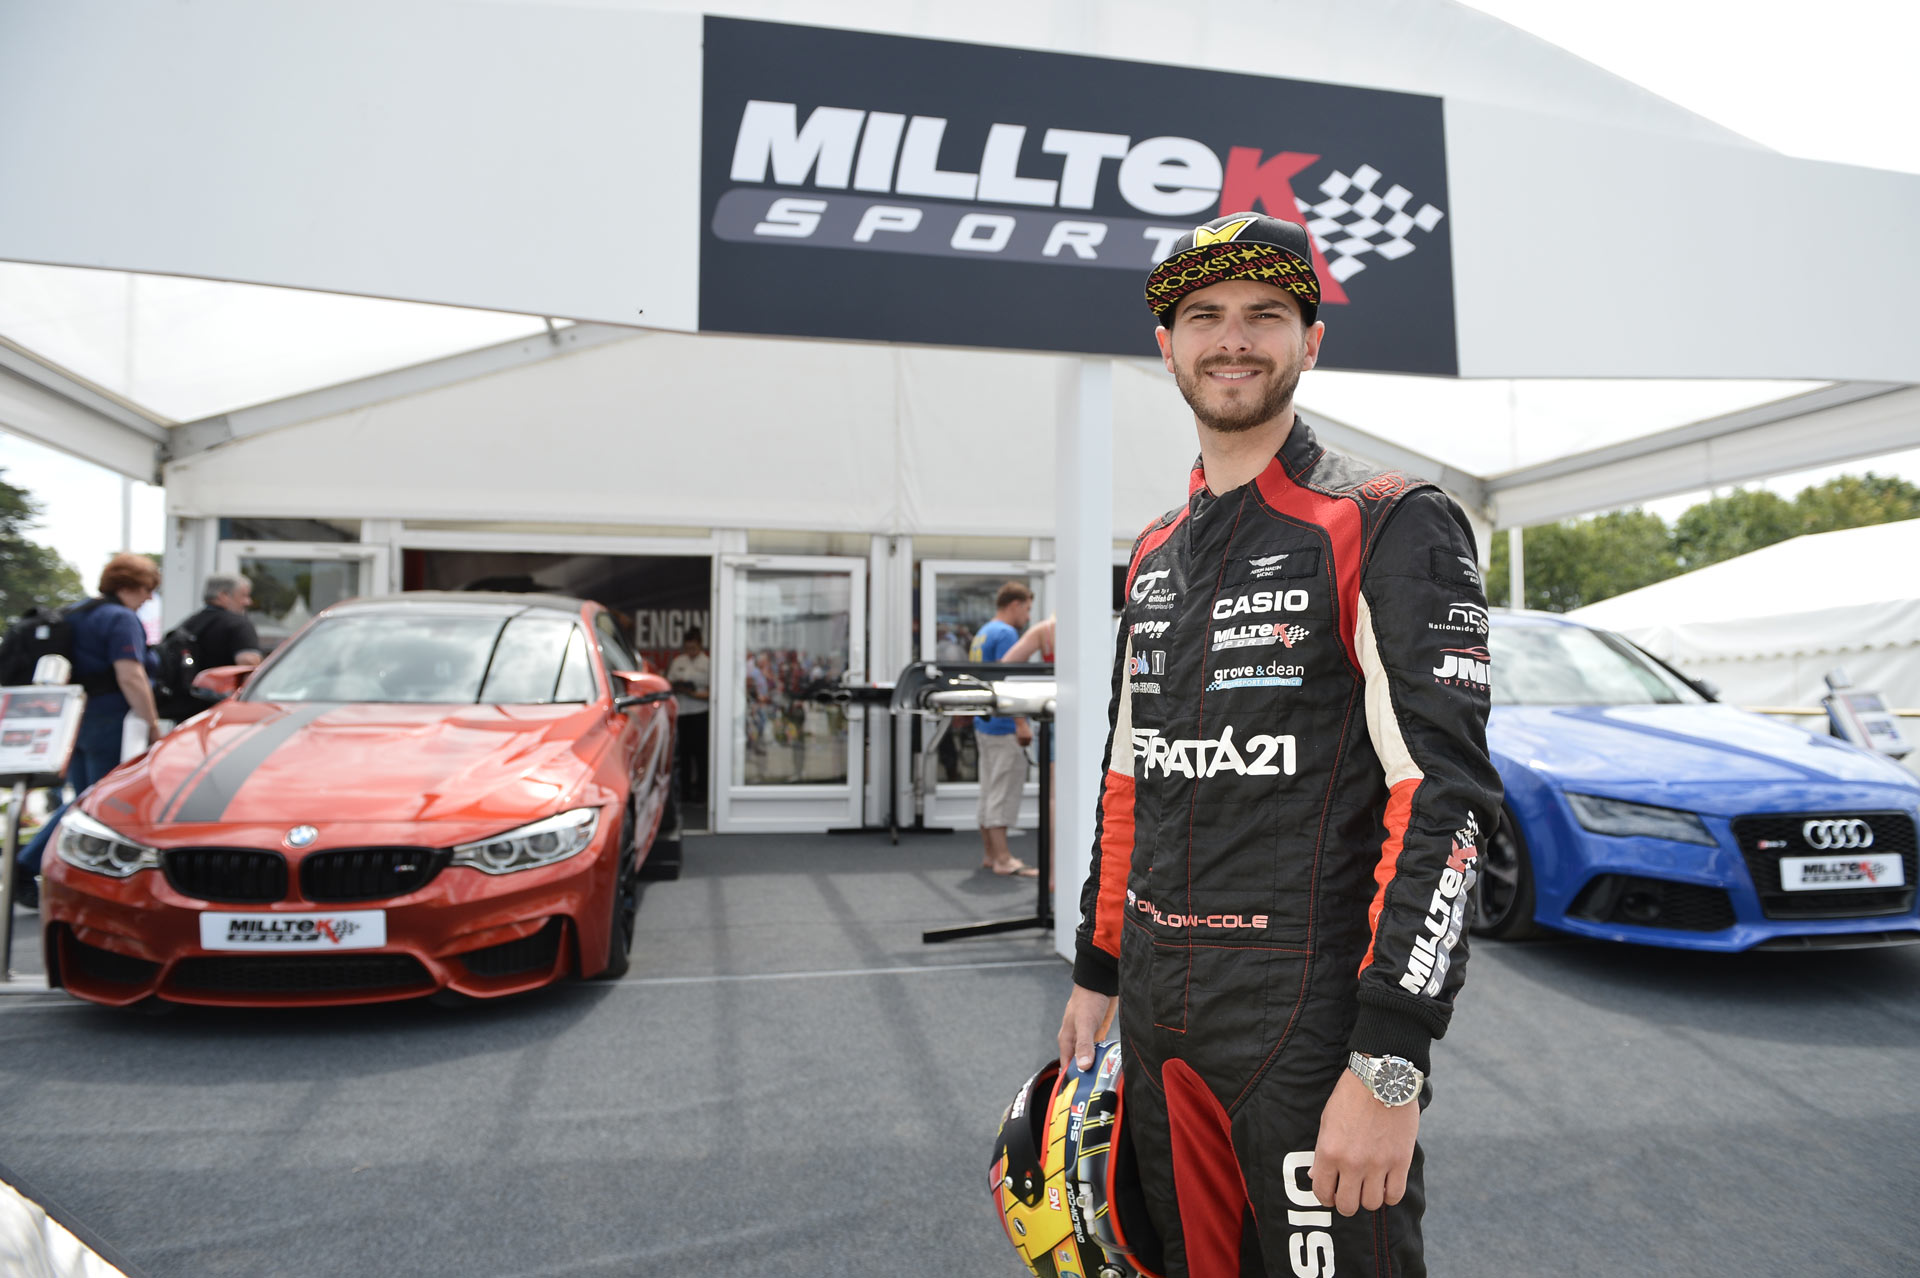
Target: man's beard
{"type": "Point", "coordinates": [1234, 421]}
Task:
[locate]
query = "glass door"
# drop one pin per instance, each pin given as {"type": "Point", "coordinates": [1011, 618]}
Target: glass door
{"type": "Point", "coordinates": [292, 580]}
{"type": "Point", "coordinates": [955, 600]}
{"type": "Point", "coordinates": [789, 625]}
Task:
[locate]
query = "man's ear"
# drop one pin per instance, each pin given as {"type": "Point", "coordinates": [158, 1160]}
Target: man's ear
{"type": "Point", "coordinates": [1314, 334]}
{"type": "Point", "coordinates": [1165, 338]}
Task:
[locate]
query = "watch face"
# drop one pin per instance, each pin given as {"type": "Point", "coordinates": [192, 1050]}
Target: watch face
{"type": "Point", "coordinates": [1394, 1081]}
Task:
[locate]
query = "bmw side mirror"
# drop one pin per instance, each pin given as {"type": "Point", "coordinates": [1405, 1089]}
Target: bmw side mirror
{"type": "Point", "coordinates": [642, 689]}
{"type": "Point", "coordinates": [220, 682]}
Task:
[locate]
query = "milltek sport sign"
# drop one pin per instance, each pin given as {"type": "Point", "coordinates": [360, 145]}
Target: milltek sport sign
{"type": "Point", "coordinates": [879, 187]}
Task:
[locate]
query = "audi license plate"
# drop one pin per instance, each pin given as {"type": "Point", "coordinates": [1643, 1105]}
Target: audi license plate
{"type": "Point", "coordinates": [1848, 870]}
{"type": "Point", "coordinates": [283, 933]}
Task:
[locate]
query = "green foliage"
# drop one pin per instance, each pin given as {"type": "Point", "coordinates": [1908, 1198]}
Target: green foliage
{"type": "Point", "coordinates": [1583, 561]}
{"type": "Point", "coordinates": [1724, 527]}
{"type": "Point", "coordinates": [29, 572]}
{"type": "Point", "coordinates": [1854, 501]}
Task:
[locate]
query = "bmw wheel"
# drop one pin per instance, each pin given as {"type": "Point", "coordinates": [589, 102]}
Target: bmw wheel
{"type": "Point", "coordinates": [626, 908]}
{"type": "Point", "coordinates": [1503, 886]}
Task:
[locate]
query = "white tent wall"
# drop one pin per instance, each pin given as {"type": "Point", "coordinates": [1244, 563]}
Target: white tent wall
{"type": "Point", "coordinates": [736, 432]}
{"type": "Point", "coordinates": [1783, 661]}
{"type": "Point", "coordinates": [1767, 626]}
{"type": "Point", "coordinates": [658, 429]}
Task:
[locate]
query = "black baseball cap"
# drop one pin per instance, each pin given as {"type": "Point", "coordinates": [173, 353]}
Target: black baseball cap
{"type": "Point", "coordinates": [1239, 246]}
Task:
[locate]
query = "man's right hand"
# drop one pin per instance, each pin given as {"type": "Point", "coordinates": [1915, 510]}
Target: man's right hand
{"type": "Point", "coordinates": [1087, 1013]}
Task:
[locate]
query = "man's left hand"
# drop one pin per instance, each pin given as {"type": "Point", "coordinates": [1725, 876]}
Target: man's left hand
{"type": "Point", "coordinates": [1364, 1150]}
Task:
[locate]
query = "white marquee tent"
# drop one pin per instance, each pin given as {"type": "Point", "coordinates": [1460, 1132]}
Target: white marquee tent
{"type": "Point", "coordinates": [298, 260]}
{"type": "Point", "coordinates": [1767, 626]}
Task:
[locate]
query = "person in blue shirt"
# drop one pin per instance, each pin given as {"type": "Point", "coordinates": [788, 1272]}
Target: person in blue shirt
{"type": "Point", "coordinates": [1001, 741]}
{"type": "Point", "coordinates": [112, 662]}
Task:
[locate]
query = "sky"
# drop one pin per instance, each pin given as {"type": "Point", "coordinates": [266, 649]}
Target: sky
{"type": "Point", "coordinates": [1833, 83]}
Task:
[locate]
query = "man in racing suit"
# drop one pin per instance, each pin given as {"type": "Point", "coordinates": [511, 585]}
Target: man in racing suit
{"type": "Point", "coordinates": [1296, 789]}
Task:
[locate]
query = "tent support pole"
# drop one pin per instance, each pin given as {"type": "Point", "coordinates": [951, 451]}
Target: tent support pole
{"type": "Point", "coordinates": [1517, 570]}
{"type": "Point", "coordinates": [1083, 645]}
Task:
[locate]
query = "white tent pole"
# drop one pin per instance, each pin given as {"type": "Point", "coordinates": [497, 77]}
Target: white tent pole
{"type": "Point", "coordinates": [1516, 569]}
{"type": "Point", "coordinates": [126, 513]}
{"type": "Point", "coordinates": [1083, 647]}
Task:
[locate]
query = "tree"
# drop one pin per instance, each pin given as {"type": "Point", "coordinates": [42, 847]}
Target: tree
{"type": "Point", "coordinates": [29, 572]}
{"type": "Point", "coordinates": [1722, 527]}
{"type": "Point", "coordinates": [1582, 561]}
{"type": "Point", "coordinates": [1854, 501]}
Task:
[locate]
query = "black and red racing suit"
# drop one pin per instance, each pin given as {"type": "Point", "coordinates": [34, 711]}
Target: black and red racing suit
{"type": "Point", "coordinates": [1297, 786]}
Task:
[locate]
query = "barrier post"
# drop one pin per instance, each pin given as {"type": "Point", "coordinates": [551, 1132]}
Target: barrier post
{"type": "Point", "coordinates": [15, 810]}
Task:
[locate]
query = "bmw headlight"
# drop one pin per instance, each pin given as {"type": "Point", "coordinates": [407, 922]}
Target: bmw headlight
{"type": "Point", "coordinates": [1642, 820]}
{"type": "Point", "coordinates": [84, 842]}
{"type": "Point", "coordinates": [542, 843]}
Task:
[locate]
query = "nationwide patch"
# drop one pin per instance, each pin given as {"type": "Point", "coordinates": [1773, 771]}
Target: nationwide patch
{"type": "Point", "coordinates": [1463, 617]}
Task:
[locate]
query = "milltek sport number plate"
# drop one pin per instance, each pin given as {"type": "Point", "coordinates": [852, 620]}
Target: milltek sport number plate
{"type": "Point", "coordinates": [1853, 870]}
{"type": "Point", "coordinates": [342, 930]}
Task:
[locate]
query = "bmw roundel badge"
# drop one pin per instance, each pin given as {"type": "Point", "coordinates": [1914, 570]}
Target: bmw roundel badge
{"type": "Point", "coordinates": [301, 835]}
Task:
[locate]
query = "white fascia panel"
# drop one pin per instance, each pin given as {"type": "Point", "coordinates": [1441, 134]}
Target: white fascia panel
{"type": "Point", "coordinates": [33, 411]}
{"type": "Point", "coordinates": [1584, 250]}
{"type": "Point", "coordinates": [522, 157]}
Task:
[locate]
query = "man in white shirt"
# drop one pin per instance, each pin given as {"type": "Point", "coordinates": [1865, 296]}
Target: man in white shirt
{"type": "Point", "coordinates": [691, 674]}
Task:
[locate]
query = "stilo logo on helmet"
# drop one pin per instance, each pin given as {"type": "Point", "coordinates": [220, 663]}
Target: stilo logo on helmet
{"type": "Point", "coordinates": [1831, 836]}
{"type": "Point", "coordinates": [1064, 1179]}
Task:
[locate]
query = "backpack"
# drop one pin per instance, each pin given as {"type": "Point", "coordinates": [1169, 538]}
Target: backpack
{"type": "Point", "coordinates": [44, 632]}
{"type": "Point", "coordinates": [179, 663]}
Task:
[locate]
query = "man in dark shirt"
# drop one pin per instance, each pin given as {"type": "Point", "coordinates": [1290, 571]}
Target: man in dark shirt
{"type": "Point", "coordinates": [222, 633]}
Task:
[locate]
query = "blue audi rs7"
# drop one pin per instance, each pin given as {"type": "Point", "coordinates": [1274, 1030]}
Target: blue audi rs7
{"type": "Point", "coordinates": [1639, 809]}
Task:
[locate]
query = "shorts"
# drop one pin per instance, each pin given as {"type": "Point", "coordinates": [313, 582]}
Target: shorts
{"type": "Point", "coordinates": [1003, 775]}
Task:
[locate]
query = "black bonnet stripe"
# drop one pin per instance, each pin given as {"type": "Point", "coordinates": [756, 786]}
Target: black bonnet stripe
{"type": "Point", "coordinates": [219, 783]}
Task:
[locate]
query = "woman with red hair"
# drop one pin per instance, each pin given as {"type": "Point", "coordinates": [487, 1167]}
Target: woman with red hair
{"type": "Point", "coordinates": [112, 662]}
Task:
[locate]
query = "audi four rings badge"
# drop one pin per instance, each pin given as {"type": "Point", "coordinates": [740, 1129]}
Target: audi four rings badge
{"type": "Point", "coordinates": [1828, 836]}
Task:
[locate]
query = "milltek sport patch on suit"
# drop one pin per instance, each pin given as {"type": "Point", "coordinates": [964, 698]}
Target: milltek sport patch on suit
{"type": "Point", "coordinates": [342, 930]}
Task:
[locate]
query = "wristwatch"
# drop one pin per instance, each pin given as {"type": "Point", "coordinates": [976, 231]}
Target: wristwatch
{"type": "Point", "coordinates": [1392, 1080]}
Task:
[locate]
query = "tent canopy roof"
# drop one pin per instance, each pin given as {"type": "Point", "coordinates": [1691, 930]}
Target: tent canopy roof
{"type": "Point", "coordinates": [157, 358]}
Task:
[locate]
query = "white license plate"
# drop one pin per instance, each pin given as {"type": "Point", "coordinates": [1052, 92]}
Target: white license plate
{"type": "Point", "coordinates": [338, 930]}
{"type": "Point", "coordinates": [1850, 870]}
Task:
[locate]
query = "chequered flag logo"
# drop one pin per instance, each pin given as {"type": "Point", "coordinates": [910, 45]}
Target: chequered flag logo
{"type": "Point", "coordinates": [1293, 634]}
{"type": "Point", "coordinates": [1348, 223]}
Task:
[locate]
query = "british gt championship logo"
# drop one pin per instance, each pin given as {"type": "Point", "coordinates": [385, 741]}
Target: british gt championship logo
{"type": "Point", "coordinates": [846, 173]}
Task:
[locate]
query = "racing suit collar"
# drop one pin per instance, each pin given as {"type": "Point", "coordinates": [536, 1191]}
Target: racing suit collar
{"type": "Point", "coordinates": [1296, 456]}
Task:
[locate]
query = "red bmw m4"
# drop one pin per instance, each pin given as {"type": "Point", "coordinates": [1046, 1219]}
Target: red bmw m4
{"type": "Point", "coordinates": [417, 793]}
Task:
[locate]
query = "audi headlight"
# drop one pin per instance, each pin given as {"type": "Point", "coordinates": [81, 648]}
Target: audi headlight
{"type": "Point", "coordinates": [87, 844]}
{"type": "Point", "coordinates": [1641, 820]}
{"type": "Point", "coordinates": [542, 843]}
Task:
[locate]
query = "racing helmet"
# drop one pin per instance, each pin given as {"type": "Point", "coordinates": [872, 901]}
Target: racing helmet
{"type": "Point", "coordinates": [1064, 1178]}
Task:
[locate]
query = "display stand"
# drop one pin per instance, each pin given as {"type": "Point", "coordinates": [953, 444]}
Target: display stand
{"type": "Point", "coordinates": [38, 726]}
{"type": "Point", "coordinates": [1042, 916]}
{"type": "Point", "coordinates": [1022, 689]}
